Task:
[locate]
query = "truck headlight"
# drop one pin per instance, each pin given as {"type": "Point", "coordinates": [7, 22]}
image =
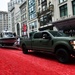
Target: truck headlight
{"type": "Point", "coordinates": [72, 43]}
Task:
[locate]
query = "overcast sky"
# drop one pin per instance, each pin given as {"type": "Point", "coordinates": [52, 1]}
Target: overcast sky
{"type": "Point", "coordinates": [3, 5]}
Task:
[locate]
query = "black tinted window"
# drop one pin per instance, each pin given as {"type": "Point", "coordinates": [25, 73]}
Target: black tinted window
{"type": "Point", "coordinates": [58, 34]}
{"type": "Point", "coordinates": [45, 33]}
{"type": "Point", "coordinates": [38, 35]}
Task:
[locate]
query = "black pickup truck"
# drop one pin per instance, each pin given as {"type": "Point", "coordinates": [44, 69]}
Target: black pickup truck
{"type": "Point", "coordinates": [58, 43]}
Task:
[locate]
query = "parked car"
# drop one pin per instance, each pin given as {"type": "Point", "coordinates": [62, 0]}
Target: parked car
{"type": "Point", "coordinates": [7, 38]}
{"type": "Point", "coordinates": [55, 42]}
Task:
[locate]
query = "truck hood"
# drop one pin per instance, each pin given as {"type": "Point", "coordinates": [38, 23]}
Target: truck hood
{"type": "Point", "coordinates": [65, 38]}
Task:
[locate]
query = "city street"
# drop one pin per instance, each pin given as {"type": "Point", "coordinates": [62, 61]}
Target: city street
{"type": "Point", "coordinates": [14, 62]}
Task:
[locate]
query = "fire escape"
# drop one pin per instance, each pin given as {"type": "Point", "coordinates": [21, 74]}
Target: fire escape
{"type": "Point", "coordinates": [45, 13]}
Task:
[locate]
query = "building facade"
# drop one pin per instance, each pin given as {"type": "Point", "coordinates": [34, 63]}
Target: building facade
{"type": "Point", "coordinates": [3, 20]}
{"type": "Point", "coordinates": [44, 14]}
{"type": "Point", "coordinates": [64, 16]}
{"type": "Point", "coordinates": [60, 14]}
{"type": "Point", "coordinates": [29, 18]}
{"type": "Point", "coordinates": [17, 20]}
{"type": "Point", "coordinates": [14, 18]}
{"type": "Point", "coordinates": [23, 11]}
{"type": "Point", "coordinates": [32, 16]}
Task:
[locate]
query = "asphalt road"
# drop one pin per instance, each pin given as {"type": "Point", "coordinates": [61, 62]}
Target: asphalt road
{"type": "Point", "coordinates": [14, 62]}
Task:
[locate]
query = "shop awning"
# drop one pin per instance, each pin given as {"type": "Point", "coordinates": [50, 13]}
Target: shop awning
{"type": "Point", "coordinates": [65, 24]}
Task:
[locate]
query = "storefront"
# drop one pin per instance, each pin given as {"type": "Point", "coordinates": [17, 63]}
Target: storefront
{"type": "Point", "coordinates": [67, 26]}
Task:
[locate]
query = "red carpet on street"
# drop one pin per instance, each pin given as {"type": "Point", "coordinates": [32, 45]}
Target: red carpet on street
{"type": "Point", "coordinates": [14, 62]}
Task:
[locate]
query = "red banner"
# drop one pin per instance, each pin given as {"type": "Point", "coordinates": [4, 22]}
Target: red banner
{"type": "Point", "coordinates": [24, 28]}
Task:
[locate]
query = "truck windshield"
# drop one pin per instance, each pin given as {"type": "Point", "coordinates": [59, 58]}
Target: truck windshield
{"type": "Point", "coordinates": [58, 34]}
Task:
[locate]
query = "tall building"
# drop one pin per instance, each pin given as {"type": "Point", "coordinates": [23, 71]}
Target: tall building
{"type": "Point", "coordinates": [45, 13]}
{"type": "Point", "coordinates": [18, 22]}
{"type": "Point", "coordinates": [32, 15]}
{"type": "Point", "coordinates": [42, 14]}
{"type": "Point", "coordinates": [59, 14]}
{"type": "Point", "coordinates": [3, 20]}
{"type": "Point", "coordinates": [64, 16]}
{"type": "Point", "coordinates": [29, 19]}
{"type": "Point", "coordinates": [14, 16]}
{"type": "Point", "coordinates": [15, 19]}
{"type": "Point", "coordinates": [23, 11]}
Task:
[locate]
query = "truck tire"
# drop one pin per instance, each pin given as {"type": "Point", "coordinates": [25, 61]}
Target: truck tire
{"type": "Point", "coordinates": [24, 49]}
{"type": "Point", "coordinates": [62, 55]}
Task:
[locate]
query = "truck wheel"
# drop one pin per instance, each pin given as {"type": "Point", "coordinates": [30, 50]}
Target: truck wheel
{"type": "Point", "coordinates": [62, 55]}
{"type": "Point", "coordinates": [25, 51]}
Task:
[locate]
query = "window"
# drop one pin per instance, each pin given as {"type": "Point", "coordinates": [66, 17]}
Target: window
{"type": "Point", "coordinates": [45, 19]}
{"type": "Point", "coordinates": [37, 35]}
{"type": "Point", "coordinates": [44, 7]}
{"type": "Point", "coordinates": [38, 2]}
{"type": "Point", "coordinates": [61, 1]}
{"type": "Point", "coordinates": [21, 0]}
{"type": "Point", "coordinates": [18, 1]}
{"type": "Point", "coordinates": [73, 6]}
{"type": "Point", "coordinates": [23, 10]}
{"type": "Point", "coordinates": [31, 9]}
{"type": "Point", "coordinates": [0, 16]}
{"type": "Point", "coordinates": [49, 18]}
{"type": "Point", "coordinates": [45, 35]}
{"type": "Point", "coordinates": [33, 25]}
{"type": "Point", "coordinates": [43, 0]}
{"type": "Point", "coordinates": [63, 10]}
{"type": "Point", "coordinates": [41, 19]}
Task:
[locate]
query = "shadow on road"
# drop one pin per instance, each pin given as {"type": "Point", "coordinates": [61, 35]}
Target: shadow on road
{"type": "Point", "coordinates": [11, 48]}
{"type": "Point", "coordinates": [43, 55]}
{"type": "Point", "coordinates": [50, 57]}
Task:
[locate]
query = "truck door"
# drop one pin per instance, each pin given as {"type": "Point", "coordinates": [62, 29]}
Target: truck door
{"type": "Point", "coordinates": [36, 41]}
{"type": "Point", "coordinates": [46, 41]}
{"type": "Point", "coordinates": [41, 43]}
